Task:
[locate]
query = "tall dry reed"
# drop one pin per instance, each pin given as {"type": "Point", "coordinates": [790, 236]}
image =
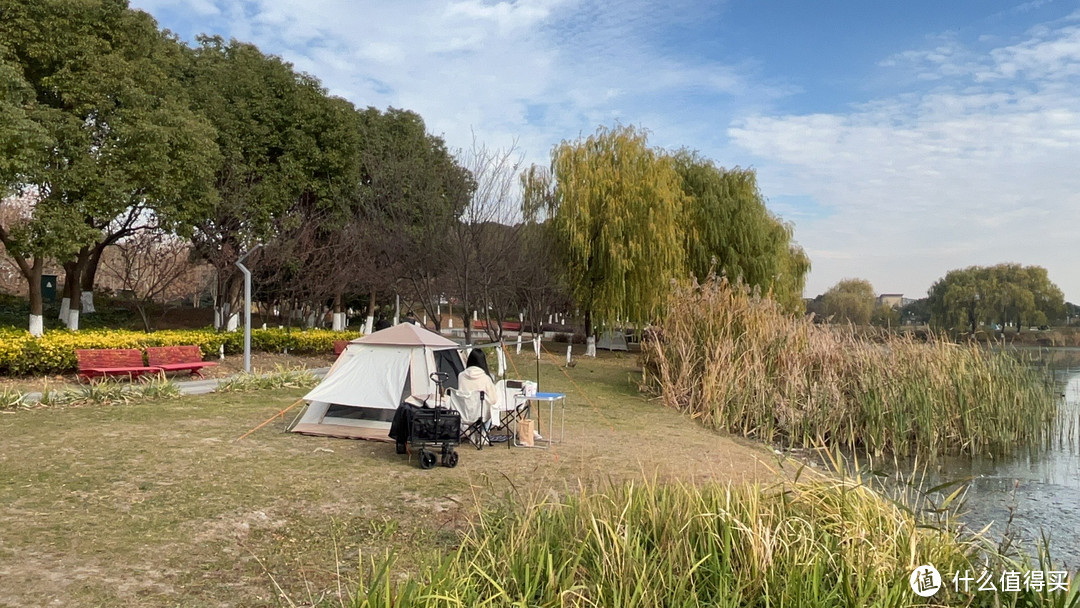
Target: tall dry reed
{"type": "Point", "coordinates": [735, 361]}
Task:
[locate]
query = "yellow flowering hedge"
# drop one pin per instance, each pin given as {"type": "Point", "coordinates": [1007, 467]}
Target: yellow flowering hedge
{"type": "Point", "coordinates": [54, 353]}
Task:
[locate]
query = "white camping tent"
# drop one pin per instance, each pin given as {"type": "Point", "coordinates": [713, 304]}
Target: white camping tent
{"type": "Point", "coordinates": [612, 340]}
{"type": "Point", "coordinates": [360, 394]}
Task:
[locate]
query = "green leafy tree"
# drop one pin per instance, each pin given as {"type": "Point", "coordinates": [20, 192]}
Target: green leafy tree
{"type": "Point", "coordinates": [917, 311]}
{"type": "Point", "coordinates": [412, 192]}
{"type": "Point", "coordinates": [617, 215]}
{"type": "Point", "coordinates": [269, 120]}
{"type": "Point", "coordinates": [1004, 294]}
{"type": "Point", "coordinates": [885, 316]}
{"type": "Point", "coordinates": [121, 133]}
{"type": "Point", "coordinates": [23, 141]}
{"type": "Point", "coordinates": [729, 231]}
{"type": "Point", "coordinates": [849, 301]}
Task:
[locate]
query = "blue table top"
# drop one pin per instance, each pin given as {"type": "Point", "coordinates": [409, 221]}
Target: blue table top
{"type": "Point", "coordinates": [548, 396]}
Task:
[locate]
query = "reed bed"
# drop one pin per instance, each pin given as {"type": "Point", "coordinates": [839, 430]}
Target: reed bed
{"type": "Point", "coordinates": [813, 543]}
{"type": "Point", "coordinates": [735, 361]}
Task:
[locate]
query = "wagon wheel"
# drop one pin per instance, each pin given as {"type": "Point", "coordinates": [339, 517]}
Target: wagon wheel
{"type": "Point", "coordinates": [449, 459]}
{"type": "Point", "coordinates": [427, 459]}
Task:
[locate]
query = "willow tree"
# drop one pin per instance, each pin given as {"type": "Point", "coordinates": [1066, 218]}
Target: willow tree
{"type": "Point", "coordinates": [617, 215]}
{"type": "Point", "coordinates": [850, 301]}
{"type": "Point", "coordinates": [729, 231]}
{"type": "Point", "coordinates": [1005, 294]}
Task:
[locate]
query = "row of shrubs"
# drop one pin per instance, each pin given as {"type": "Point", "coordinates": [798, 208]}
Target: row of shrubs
{"type": "Point", "coordinates": [54, 353]}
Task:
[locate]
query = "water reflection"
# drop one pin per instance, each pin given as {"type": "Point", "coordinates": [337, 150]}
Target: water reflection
{"type": "Point", "coordinates": [1031, 494]}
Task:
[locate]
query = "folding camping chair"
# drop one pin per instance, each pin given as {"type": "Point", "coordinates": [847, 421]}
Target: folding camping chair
{"type": "Point", "coordinates": [475, 415]}
{"type": "Point", "coordinates": [512, 406]}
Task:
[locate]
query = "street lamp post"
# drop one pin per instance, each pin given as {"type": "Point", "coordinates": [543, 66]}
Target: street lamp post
{"type": "Point", "coordinates": [247, 307]}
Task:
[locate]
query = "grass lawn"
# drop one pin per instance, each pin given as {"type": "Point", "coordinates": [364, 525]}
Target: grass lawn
{"type": "Point", "coordinates": [156, 504]}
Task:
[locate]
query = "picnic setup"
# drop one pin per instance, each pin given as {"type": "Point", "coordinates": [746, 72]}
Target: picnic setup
{"type": "Point", "coordinates": [428, 395]}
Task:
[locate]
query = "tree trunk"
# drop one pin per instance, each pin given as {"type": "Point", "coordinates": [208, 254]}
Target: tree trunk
{"type": "Point", "coordinates": [32, 272]}
{"type": "Point", "coordinates": [74, 271]}
{"type": "Point", "coordinates": [369, 324]}
{"type": "Point", "coordinates": [141, 307]}
{"type": "Point", "coordinates": [89, 276]}
{"type": "Point", "coordinates": [33, 279]}
{"type": "Point", "coordinates": [70, 279]}
{"type": "Point", "coordinates": [338, 313]}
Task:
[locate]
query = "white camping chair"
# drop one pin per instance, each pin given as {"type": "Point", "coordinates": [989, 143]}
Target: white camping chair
{"type": "Point", "coordinates": [475, 413]}
{"type": "Point", "coordinates": [512, 406]}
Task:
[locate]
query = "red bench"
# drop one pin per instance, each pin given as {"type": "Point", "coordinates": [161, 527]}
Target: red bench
{"type": "Point", "coordinates": [178, 359]}
{"type": "Point", "coordinates": [506, 325]}
{"type": "Point", "coordinates": [112, 362]}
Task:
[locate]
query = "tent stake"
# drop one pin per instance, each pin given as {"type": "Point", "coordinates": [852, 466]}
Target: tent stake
{"type": "Point", "coordinates": [271, 419]}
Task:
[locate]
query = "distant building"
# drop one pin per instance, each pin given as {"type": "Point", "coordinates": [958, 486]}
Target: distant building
{"type": "Point", "coordinates": [892, 300]}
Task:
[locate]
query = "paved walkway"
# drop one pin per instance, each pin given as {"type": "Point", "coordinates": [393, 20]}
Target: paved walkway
{"type": "Point", "coordinates": [191, 387]}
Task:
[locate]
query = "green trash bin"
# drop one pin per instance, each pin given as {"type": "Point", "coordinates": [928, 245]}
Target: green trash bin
{"type": "Point", "coordinates": [48, 287]}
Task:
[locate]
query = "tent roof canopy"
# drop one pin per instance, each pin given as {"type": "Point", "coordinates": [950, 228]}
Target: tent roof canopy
{"type": "Point", "coordinates": [406, 334]}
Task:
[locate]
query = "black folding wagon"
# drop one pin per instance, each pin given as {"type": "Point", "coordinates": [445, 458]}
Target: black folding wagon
{"type": "Point", "coordinates": [435, 429]}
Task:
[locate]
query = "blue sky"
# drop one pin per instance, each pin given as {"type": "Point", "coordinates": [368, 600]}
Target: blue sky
{"type": "Point", "coordinates": [902, 139]}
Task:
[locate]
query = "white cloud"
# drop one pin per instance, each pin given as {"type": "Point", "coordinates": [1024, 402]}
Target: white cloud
{"type": "Point", "coordinates": [971, 161]}
{"type": "Point", "coordinates": [979, 169]}
{"type": "Point", "coordinates": [531, 71]}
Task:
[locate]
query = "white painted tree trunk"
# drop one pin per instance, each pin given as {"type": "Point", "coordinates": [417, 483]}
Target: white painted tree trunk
{"type": "Point", "coordinates": [221, 352]}
{"type": "Point", "coordinates": [233, 322]}
{"type": "Point", "coordinates": [397, 309]}
{"type": "Point", "coordinates": [501, 357]}
{"type": "Point", "coordinates": [369, 325]}
{"type": "Point", "coordinates": [519, 342]}
{"type": "Point", "coordinates": [590, 349]}
{"type": "Point", "coordinates": [87, 302]}
{"type": "Point", "coordinates": [65, 307]}
{"type": "Point", "coordinates": [450, 323]}
{"type": "Point", "coordinates": [339, 321]}
{"type": "Point", "coordinates": [73, 319]}
{"type": "Point", "coordinates": [37, 326]}
{"type": "Point", "coordinates": [568, 349]}
{"type": "Point", "coordinates": [536, 346]}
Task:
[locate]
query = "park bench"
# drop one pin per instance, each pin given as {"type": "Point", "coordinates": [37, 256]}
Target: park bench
{"type": "Point", "coordinates": [178, 359]}
{"type": "Point", "coordinates": [506, 325]}
{"type": "Point", "coordinates": [112, 362]}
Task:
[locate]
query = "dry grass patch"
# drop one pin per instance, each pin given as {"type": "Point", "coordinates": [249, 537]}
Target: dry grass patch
{"type": "Point", "coordinates": [154, 503]}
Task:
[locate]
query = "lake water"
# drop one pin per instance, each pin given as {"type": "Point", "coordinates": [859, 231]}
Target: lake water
{"type": "Point", "coordinates": [1030, 494]}
{"type": "Point", "coordinates": [1039, 492]}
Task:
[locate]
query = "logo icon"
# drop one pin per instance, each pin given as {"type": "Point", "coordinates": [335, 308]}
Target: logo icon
{"type": "Point", "coordinates": [925, 581]}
